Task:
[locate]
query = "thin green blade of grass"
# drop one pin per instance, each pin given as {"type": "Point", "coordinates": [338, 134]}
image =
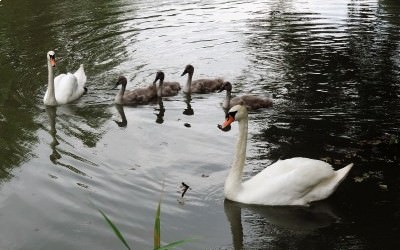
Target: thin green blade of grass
{"type": "Point", "coordinates": [174, 244]}
{"type": "Point", "coordinates": [157, 230]}
{"type": "Point", "coordinates": [115, 229]}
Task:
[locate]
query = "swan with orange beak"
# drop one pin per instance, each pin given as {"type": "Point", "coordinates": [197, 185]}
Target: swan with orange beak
{"type": "Point", "coordinates": [296, 181]}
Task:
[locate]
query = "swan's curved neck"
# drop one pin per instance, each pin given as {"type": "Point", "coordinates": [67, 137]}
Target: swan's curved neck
{"type": "Point", "coordinates": [234, 180]}
{"type": "Point", "coordinates": [51, 97]}
{"type": "Point", "coordinates": [187, 88]}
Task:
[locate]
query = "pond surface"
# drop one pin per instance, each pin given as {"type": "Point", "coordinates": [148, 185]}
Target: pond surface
{"type": "Point", "coordinates": [333, 68]}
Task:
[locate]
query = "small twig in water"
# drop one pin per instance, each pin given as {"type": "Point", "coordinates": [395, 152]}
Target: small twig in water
{"type": "Point", "coordinates": [185, 188]}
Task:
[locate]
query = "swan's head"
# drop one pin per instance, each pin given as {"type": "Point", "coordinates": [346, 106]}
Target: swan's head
{"type": "Point", "coordinates": [51, 57]}
{"type": "Point", "coordinates": [121, 81]}
{"type": "Point", "coordinates": [226, 86]}
{"type": "Point", "coordinates": [188, 70]}
{"type": "Point", "coordinates": [236, 113]}
{"type": "Point", "coordinates": [159, 76]}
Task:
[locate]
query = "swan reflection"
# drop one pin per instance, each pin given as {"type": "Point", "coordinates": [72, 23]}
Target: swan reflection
{"type": "Point", "coordinates": [51, 113]}
{"type": "Point", "coordinates": [57, 153]}
{"type": "Point", "coordinates": [123, 122]}
{"type": "Point", "coordinates": [188, 110]}
{"type": "Point", "coordinates": [291, 220]}
{"type": "Point", "coordinates": [161, 111]}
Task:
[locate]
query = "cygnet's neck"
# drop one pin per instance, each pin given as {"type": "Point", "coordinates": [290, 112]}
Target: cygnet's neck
{"type": "Point", "coordinates": [119, 97]}
{"type": "Point", "coordinates": [160, 88]}
{"type": "Point", "coordinates": [233, 182]}
{"type": "Point", "coordinates": [188, 85]}
{"type": "Point", "coordinates": [227, 100]}
{"type": "Point", "coordinates": [51, 97]}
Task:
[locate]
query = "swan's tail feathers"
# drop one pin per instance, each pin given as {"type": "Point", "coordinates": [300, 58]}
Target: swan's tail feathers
{"type": "Point", "coordinates": [327, 187]}
{"type": "Point", "coordinates": [81, 76]}
{"type": "Point", "coordinates": [342, 173]}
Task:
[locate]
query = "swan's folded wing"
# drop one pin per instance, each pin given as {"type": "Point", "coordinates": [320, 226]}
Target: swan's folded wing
{"type": "Point", "coordinates": [65, 86]}
{"type": "Point", "coordinates": [81, 76]}
{"type": "Point", "coordinates": [288, 181]}
{"type": "Point", "coordinates": [58, 79]}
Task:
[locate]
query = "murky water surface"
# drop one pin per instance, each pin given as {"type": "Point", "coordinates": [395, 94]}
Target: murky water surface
{"type": "Point", "coordinates": [332, 67]}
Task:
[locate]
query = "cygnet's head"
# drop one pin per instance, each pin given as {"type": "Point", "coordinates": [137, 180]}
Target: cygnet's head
{"type": "Point", "coordinates": [188, 70]}
{"type": "Point", "coordinates": [226, 86]}
{"type": "Point", "coordinates": [51, 57]}
{"type": "Point", "coordinates": [236, 113]}
{"type": "Point", "coordinates": [121, 81]}
{"type": "Point", "coordinates": [159, 76]}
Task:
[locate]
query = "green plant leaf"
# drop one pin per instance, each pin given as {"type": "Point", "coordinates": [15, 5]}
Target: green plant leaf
{"type": "Point", "coordinates": [174, 244]}
{"type": "Point", "coordinates": [115, 229]}
{"type": "Point", "coordinates": [157, 230]}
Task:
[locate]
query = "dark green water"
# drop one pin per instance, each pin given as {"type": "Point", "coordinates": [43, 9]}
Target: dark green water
{"type": "Point", "coordinates": [333, 68]}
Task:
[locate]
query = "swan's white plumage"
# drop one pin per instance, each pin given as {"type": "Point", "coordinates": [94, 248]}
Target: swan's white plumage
{"type": "Point", "coordinates": [67, 87]}
{"type": "Point", "coordinates": [295, 181]}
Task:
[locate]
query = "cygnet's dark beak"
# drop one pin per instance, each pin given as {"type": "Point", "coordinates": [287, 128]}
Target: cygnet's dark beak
{"type": "Point", "coordinates": [157, 78]}
{"type": "Point", "coordinates": [184, 72]}
{"type": "Point", "coordinates": [116, 85]}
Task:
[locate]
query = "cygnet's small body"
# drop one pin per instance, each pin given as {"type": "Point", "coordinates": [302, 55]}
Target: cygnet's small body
{"type": "Point", "coordinates": [252, 102]}
{"type": "Point", "coordinates": [140, 95]}
{"type": "Point", "coordinates": [200, 86]}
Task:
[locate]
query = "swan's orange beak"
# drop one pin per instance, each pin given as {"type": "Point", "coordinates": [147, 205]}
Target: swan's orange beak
{"type": "Point", "coordinates": [53, 62]}
{"type": "Point", "coordinates": [226, 126]}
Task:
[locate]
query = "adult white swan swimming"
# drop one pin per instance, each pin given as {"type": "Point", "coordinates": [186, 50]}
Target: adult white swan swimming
{"type": "Point", "coordinates": [65, 88]}
{"type": "Point", "coordinates": [295, 181]}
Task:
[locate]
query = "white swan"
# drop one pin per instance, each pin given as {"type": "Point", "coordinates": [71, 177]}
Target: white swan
{"type": "Point", "coordinates": [65, 88]}
{"type": "Point", "coordinates": [252, 102]}
{"type": "Point", "coordinates": [201, 86]}
{"type": "Point", "coordinates": [295, 181]}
